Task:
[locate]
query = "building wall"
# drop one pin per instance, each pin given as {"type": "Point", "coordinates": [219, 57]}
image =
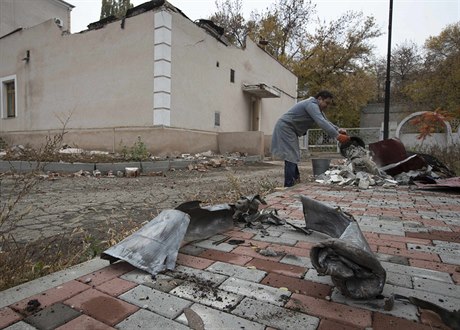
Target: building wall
{"type": "Point", "coordinates": [152, 76]}
{"type": "Point", "coordinates": [98, 79]}
{"type": "Point", "coordinates": [201, 82]}
{"type": "Point", "coordinates": [27, 13]}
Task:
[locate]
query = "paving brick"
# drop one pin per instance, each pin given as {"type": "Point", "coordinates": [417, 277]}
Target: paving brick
{"type": "Point", "coordinates": [215, 319]}
{"type": "Point", "coordinates": [326, 324]}
{"type": "Point", "coordinates": [297, 285]}
{"type": "Point", "coordinates": [437, 235]}
{"type": "Point", "coordinates": [388, 322]}
{"type": "Point", "coordinates": [232, 258]}
{"type": "Point", "coordinates": [21, 325]}
{"type": "Point", "coordinates": [276, 267]}
{"type": "Point", "coordinates": [191, 250]}
{"type": "Point", "coordinates": [144, 319]}
{"type": "Point", "coordinates": [207, 295]}
{"type": "Point", "coordinates": [297, 261]}
{"type": "Point", "coordinates": [194, 262]}
{"type": "Point", "coordinates": [400, 309]}
{"type": "Point", "coordinates": [52, 316]}
{"type": "Point", "coordinates": [257, 291]}
{"type": "Point", "coordinates": [52, 296]}
{"type": "Point", "coordinates": [274, 316]}
{"type": "Point", "coordinates": [116, 286]}
{"type": "Point", "coordinates": [312, 275]}
{"type": "Point", "coordinates": [284, 239]}
{"type": "Point", "coordinates": [450, 303]}
{"type": "Point", "coordinates": [450, 290]}
{"type": "Point", "coordinates": [105, 274]}
{"type": "Point", "coordinates": [248, 274]}
{"type": "Point", "coordinates": [417, 271]}
{"type": "Point", "coordinates": [409, 254]}
{"type": "Point", "coordinates": [196, 275]}
{"type": "Point", "coordinates": [432, 319]}
{"type": "Point", "coordinates": [156, 301]}
{"type": "Point", "coordinates": [101, 306]}
{"type": "Point", "coordinates": [239, 234]}
{"type": "Point", "coordinates": [292, 250]}
{"type": "Point", "coordinates": [252, 252]}
{"type": "Point", "coordinates": [435, 266]}
{"type": "Point", "coordinates": [8, 316]}
{"type": "Point", "coordinates": [399, 280]}
{"type": "Point", "coordinates": [208, 244]}
{"type": "Point", "coordinates": [84, 322]}
{"type": "Point", "coordinates": [330, 310]}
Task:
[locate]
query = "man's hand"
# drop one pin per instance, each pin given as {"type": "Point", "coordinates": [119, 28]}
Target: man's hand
{"type": "Point", "coordinates": [343, 138]}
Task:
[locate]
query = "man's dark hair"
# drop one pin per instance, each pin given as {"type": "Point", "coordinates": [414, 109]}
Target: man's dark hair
{"type": "Point", "coordinates": [324, 95]}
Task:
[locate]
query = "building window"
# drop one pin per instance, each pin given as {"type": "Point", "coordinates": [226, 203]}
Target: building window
{"type": "Point", "coordinates": [232, 75]}
{"type": "Point", "coordinates": [216, 118]}
{"type": "Point", "coordinates": [8, 97]}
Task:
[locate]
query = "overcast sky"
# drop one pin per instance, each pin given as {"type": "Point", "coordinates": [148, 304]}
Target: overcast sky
{"type": "Point", "coordinates": [413, 20]}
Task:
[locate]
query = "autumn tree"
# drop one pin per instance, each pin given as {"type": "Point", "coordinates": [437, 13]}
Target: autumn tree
{"type": "Point", "coordinates": [229, 16]}
{"type": "Point", "coordinates": [438, 84]}
{"type": "Point", "coordinates": [337, 57]}
{"type": "Point", "coordinates": [115, 8]}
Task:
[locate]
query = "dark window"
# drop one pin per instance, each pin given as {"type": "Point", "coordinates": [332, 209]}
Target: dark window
{"type": "Point", "coordinates": [10, 99]}
{"type": "Point", "coordinates": [232, 75]}
{"type": "Point", "coordinates": [216, 118]}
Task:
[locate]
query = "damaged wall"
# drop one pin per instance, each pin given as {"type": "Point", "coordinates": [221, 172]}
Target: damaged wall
{"type": "Point", "coordinates": [26, 13]}
{"type": "Point", "coordinates": [119, 78]}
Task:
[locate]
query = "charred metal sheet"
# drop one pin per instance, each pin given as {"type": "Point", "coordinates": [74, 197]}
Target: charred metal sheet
{"type": "Point", "coordinates": [206, 221]}
{"type": "Point", "coordinates": [155, 246]}
{"type": "Point", "coordinates": [388, 151]}
{"type": "Point", "coordinates": [451, 183]}
{"type": "Point", "coordinates": [412, 163]}
{"type": "Point", "coordinates": [346, 257]}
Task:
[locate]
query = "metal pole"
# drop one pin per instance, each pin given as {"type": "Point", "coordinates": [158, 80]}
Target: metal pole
{"type": "Point", "coordinates": [386, 113]}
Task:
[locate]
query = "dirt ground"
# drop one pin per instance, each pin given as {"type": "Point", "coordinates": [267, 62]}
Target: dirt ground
{"type": "Point", "coordinates": [64, 204]}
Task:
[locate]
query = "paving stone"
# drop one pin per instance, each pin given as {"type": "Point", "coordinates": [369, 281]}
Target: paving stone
{"type": "Point", "coordinates": [52, 316]}
{"type": "Point", "coordinates": [215, 319]}
{"type": "Point", "coordinates": [144, 319]}
{"type": "Point", "coordinates": [283, 239]}
{"type": "Point", "coordinates": [8, 316]}
{"type": "Point", "coordinates": [156, 301]}
{"type": "Point", "coordinates": [116, 286]}
{"type": "Point", "coordinates": [101, 306]}
{"type": "Point", "coordinates": [442, 288]}
{"type": "Point", "coordinates": [107, 273]}
{"type": "Point", "coordinates": [388, 322]}
{"type": "Point", "coordinates": [84, 322]}
{"type": "Point", "coordinates": [297, 285]}
{"type": "Point", "coordinates": [274, 316]}
{"type": "Point", "coordinates": [327, 309]}
{"type": "Point", "coordinates": [450, 303]}
{"type": "Point", "coordinates": [297, 261]}
{"type": "Point", "coordinates": [21, 326]}
{"type": "Point", "coordinates": [202, 276]}
{"type": "Point", "coordinates": [257, 291]}
{"type": "Point", "coordinates": [248, 274]}
{"type": "Point", "coordinates": [399, 280]}
{"type": "Point", "coordinates": [207, 295]}
{"type": "Point", "coordinates": [415, 271]}
{"type": "Point", "coordinates": [400, 309]}
{"type": "Point", "coordinates": [192, 250]}
{"type": "Point", "coordinates": [208, 244]}
{"type": "Point", "coordinates": [326, 324]}
{"type": "Point", "coordinates": [312, 275]}
{"type": "Point", "coordinates": [400, 260]}
{"type": "Point", "coordinates": [191, 261]}
{"type": "Point", "coordinates": [232, 258]}
{"type": "Point", "coordinates": [276, 267]}
{"type": "Point", "coordinates": [394, 230]}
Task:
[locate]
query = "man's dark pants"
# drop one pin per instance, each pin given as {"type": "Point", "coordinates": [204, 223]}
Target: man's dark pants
{"type": "Point", "coordinates": [291, 174]}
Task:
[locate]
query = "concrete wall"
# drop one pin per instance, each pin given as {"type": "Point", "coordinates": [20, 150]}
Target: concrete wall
{"type": "Point", "coordinates": [27, 13]}
{"type": "Point", "coordinates": [372, 114]}
{"type": "Point", "coordinates": [251, 143]}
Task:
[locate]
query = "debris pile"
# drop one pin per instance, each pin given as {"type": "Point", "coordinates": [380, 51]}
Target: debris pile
{"type": "Point", "coordinates": [385, 164]}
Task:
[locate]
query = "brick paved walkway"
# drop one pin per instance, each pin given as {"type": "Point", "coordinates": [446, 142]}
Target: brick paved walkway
{"type": "Point", "coordinates": [415, 234]}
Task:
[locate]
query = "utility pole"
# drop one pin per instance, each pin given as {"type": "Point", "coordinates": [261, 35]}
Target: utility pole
{"type": "Point", "coordinates": [386, 112]}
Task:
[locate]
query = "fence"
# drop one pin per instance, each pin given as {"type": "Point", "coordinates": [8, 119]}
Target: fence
{"type": "Point", "coordinates": [316, 140]}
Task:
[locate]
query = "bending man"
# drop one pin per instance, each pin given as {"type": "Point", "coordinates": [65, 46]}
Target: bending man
{"type": "Point", "coordinates": [295, 123]}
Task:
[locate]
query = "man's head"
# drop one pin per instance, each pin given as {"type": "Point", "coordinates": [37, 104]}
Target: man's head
{"type": "Point", "coordinates": [324, 99]}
